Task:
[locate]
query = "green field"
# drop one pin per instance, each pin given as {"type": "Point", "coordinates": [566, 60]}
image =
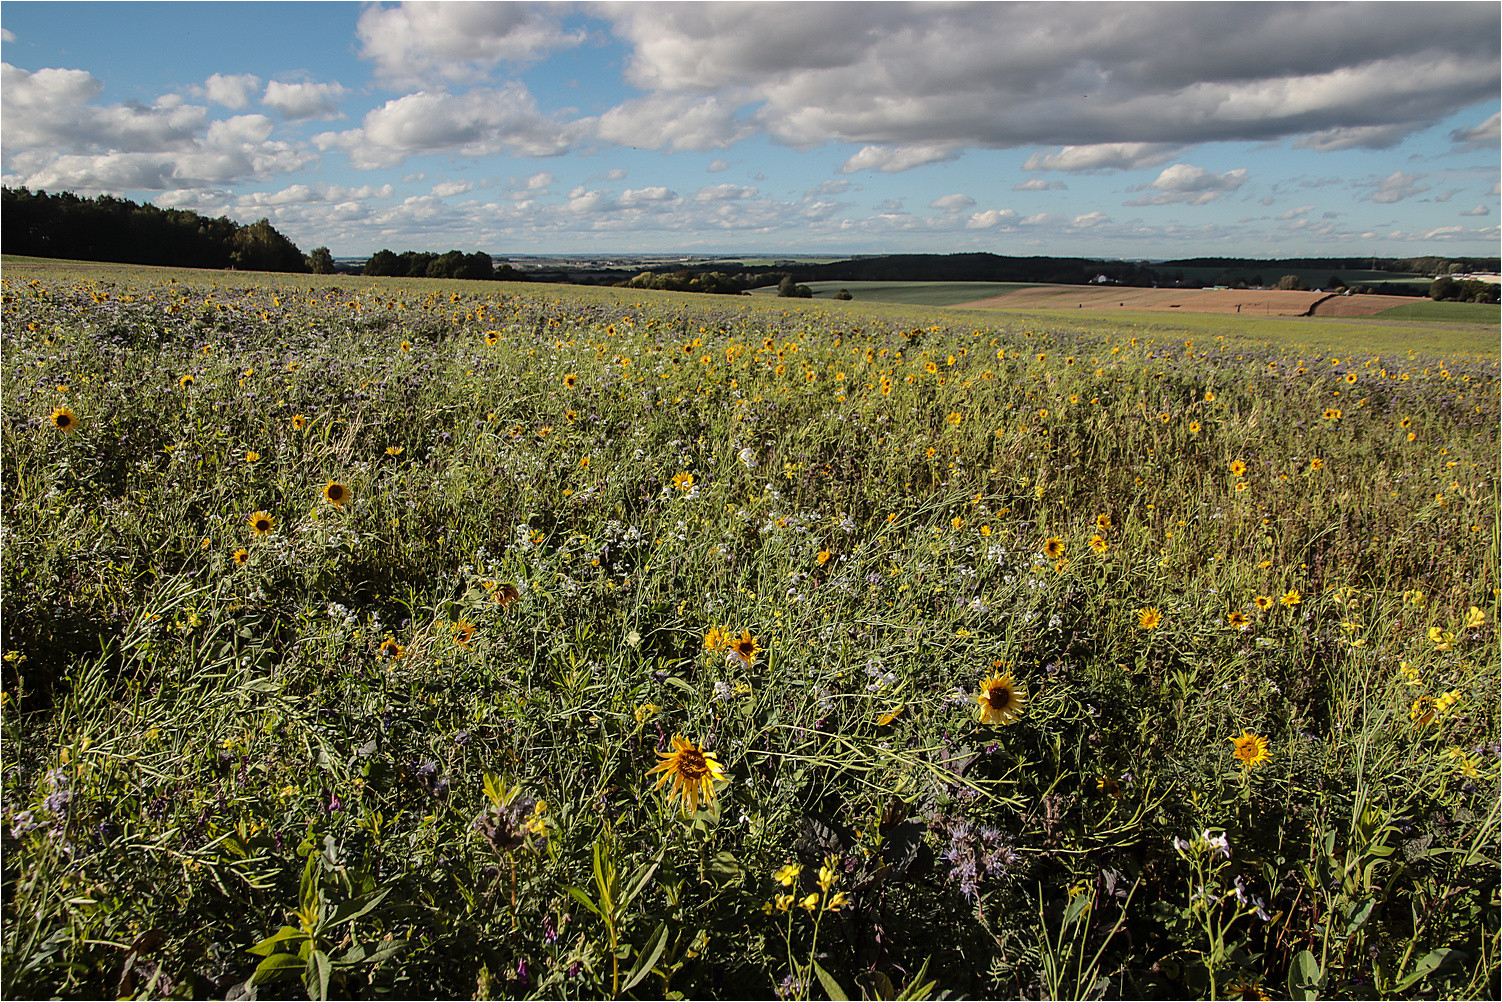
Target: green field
{"type": "Point", "coordinates": [913, 293]}
{"type": "Point", "coordinates": [415, 638]}
{"type": "Point", "coordinates": [1428, 309]}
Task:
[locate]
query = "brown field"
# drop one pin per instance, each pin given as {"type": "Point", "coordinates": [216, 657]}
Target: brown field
{"type": "Point", "coordinates": [1252, 302]}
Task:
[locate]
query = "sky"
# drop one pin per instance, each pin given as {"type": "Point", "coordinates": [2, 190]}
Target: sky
{"type": "Point", "coordinates": [1111, 130]}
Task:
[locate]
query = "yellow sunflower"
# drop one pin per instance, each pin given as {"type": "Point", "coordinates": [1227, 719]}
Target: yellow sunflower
{"type": "Point", "coordinates": [1103, 522]}
{"type": "Point", "coordinates": [185, 382]}
{"type": "Point", "coordinates": [1263, 602]}
{"type": "Point", "coordinates": [1291, 598]}
{"type": "Point", "coordinates": [64, 420]}
{"type": "Point", "coordinates": [391, 649]}
{"type": "Point", "coordinates": [570, 380]}
{"type": "Point", "coordinates": [744, 648]}
{"type": "Point", "coordinates": [261, 522]}
{"type": "Point", "coordinates": [1054, 547]}
{"type": "Point", "coordinates": [1237, 620]}
{"type": "Point", "coordinates": [715, 639]}
{"type": "Point", "coordinates": [1001, 699]}
{"type": "Point", "coordinates": [336, 494]}
{"type": "Point", "coordinates": [1099, 544]}
{"type": "Point", "coordinates": [692, 772]}
{"type": "Point", "coordinates": [241, 556]}
{"type": "Point", "coordinates": [1238, 468]}
{"type": "Point", "coordinates": [1249, 749]}
{"type": "Point", "coordinates": [1148, 619]}
{"type": "Point", "coordinates": [299, 422]}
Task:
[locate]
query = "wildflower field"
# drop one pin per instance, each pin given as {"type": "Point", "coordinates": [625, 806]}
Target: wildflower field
{"type": "Point", "coordinates": [430, 639]}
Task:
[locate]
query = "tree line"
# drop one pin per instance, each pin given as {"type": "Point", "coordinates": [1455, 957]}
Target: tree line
{"type": "Point", "coordinates": [109, 228]}
{"type": "Point", "coordinates": [451, 264]}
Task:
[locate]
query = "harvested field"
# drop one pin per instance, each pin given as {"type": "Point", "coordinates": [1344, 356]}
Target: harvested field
{"type": "Point", "coordinates": [1253, 302]}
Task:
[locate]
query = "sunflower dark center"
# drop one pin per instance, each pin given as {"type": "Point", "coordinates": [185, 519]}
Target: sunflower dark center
{"type": "Point", "coordinates": [263, 525]}
{"type": "Point", "coordinates": [1000, 697]}
{"type": "Point", "coordinates": [691, 764]}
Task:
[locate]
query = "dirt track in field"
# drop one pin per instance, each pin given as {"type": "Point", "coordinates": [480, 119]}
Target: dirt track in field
{"type": "Point", "coordinates": [1250, 302]}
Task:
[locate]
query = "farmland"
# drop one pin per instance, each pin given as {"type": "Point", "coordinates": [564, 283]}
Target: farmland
{"type": "Point", "coordinates": [415, 637]}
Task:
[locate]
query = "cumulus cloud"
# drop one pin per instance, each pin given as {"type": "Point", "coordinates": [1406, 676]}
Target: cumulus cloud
{"type": "Point", "coordinates": [1480, 210]}
{"type": "Point", "coordinates": [304, 100]}
{"type": "Point", "coordinates": [1103, 156]}
{"type": "Point", "coordinates": [1480, 136]}
{"type": "Point", "coordinates": [1191, 185]}
{"type": "Point", "coordinates": [893, 159]}
{"type": "Point", "coordinates": [1004, 75]}
{"type": "Point", "coordinates": [673, 122]}
{"type": "Point", "coordinates": [416, 42]}
{"type": "Point", "coordinates": [952, 203]}
{"type": "Point", "coordinates": [1372, 137]}
{"type": "Point", "coordinates": [57, 137]}
{"type": "Point", "coordinates": [716, 166]}
{"type": "Point", "coordinates": [991, 219]}
{"type": "Point", "coordinates": [482, 121]}
{"type": "Point", "coordinates": [1038, 184]}
{"type": "Point", "coordinates": [1396, 187]}
{"type": "Point", "coordinates": [233, 91]}
{"type": "Point", "coordinates": [445, 189]}
{"type": "Point", "coordinates": [6, 35]}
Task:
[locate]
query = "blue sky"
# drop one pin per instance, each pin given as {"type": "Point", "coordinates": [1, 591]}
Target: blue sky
{"type": "Point", "coordinates": [1131, 130]}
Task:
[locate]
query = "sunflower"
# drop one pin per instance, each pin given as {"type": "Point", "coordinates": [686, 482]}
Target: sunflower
{"type": "Point", "coordinates": [1249, 749]}
{"type": "Point", "coordinates": [1237, 619]}
{"type": "Point", "coordinates": [299, 422]}
{"type": "Point", "coordinates": [395, 450]}
{"type": "Point", "coordinates": [1054, 547]}
{"type": "Point", "coordinates": [1250, 991]}
{"type": "Point", "coordinates": [715, 639]}
{"type": "Point", "coordinates": [1148, 619]}
{"type": "Point", "coordinates": [570, 380]}
{"type": "Point", "coordinates": [1099, 544]}
{"type": "Point", "coordinates": [1000, 698]}
{"type": "Point", "coordinates": [492, 338]}
{"type": "Point", "coordinates": [185, 382]}
{"type": "Point", "coordinates": [1333, 414]}
{"type": "Point", "coordinates": [692, 772]}
{"type": "Point", "coordinates": [405, 346]}
{"type": "Point", "coordinates": [890, 715]}
{"type": "Point", "coordinates": [1263, 602]}
{"type": "Point", "coordinates": [464, 632]}
{"type": "Point", "coordinates": [251, 457]}
{"type": "Point", "coordinates": [336, 493]}
{"type": "Point", "coordinates": [1316, 464]}
{"type": "Point", "coordinates": [1103, 522]}
{"type": "Point", "coordinates": [261, 522]}
{"type": "Point", "coordinates": [64, 420]}
{"type": "Point", "coordinates": [823, 557]}
{"type": "Point", "coordinates": [1194, 427]}
{"type": "Point", "coordinates": [391, 649]}
{"type": "Point", "coordinates": [241, 556]}
{"type": "Point", "coordinates": [683, 481]}
{"type": "Point", "coordinates": [743, 648]}
{"type": "Point", "coordinates": [1238, 468]}
{"type": "Point", "coordinates": [1291, 598]}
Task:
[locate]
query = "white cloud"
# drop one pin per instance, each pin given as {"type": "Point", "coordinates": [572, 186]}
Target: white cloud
{"type": "Point", "coordinates": [231, 91]}
{"type": "Point", "coordinates": [1038, 184]}
{"type": "Point", "coordinates": [413, 42]}
{"type": "Point", "coordinates": [57, 138]}
{"type": "Point", "coordinates": [1091, 219]}
{"type": "Point", "coordinates": [990, 219]}
{"type": "Point", "coordinates": [1396, 187]}
{"type": "Point", "coordinates": [615, 174]}
{"type": "Point", "coordinates": [1191, 185]}
{"type": "Point", "coordinates": [646, 196]}
{"type": "Point", "coordinates": [445, 189]}
{"type": "Point", "coordinates": [716, 166]}
{"type": "Point", "coordinates": [1104, 156]}
{"type": "Point", "coordinates": [304, 100]}
{"type": "Point", "coordinates": [1485, 135]}
{"type": "Point", "coordinates": [1479, 210]}
{"type": "Point", "coordinates": [482, 121]}
{"type": "Point", "coordinates": [952, 203]}
{"type": "Point", "coordinates": [7, 35]}
{"type": "Point", "coordinates": [674, 122]}
{"type": "Point", "coordinates": [1005, 75]}
{"type": "Point", "coordinates": [1294, 213]}
{"type": "Point", "coordinates": [723, 193]}
{"type": "Point", "coordinates": [892, 159]}
{"type": "Point", "coordinates": [1372, 137]}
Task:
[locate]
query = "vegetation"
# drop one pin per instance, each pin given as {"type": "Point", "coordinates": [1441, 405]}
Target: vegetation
{"type": "Point", "coordinates": [1446, 289]}
{"type": "Point", "coordinates": [477, 266]}
{"type": "Point", "coordinates": [430, 639]}
{"type": "Point", "coordinates": [106, 228]}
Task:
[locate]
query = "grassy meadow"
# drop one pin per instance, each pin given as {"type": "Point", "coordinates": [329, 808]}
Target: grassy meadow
{"type": "Point", "coordinates": [433, 639]}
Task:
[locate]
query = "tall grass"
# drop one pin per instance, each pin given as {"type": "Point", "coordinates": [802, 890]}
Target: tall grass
{"type": "Point", "coordinates": [404, 744]}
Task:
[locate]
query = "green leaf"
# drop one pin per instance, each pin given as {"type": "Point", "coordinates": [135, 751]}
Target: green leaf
{"type": "Point", "coordinates": [647, 957]}
{"type": "Point", "coordinates": [582, 896]}
{"type": "Point", "coordinates": [1359, 916]}
{"type": "Point", "coordinates": [355, 907]}
{"type": "Point", "coordinates": [1428, 964]}
{"type": "Point", "coordinates": [273, 966]}
{"type": "Point", "coordinates": [265, 946]}
{"type": "Point", "coordinates": [362, 953]}
{"type": "Point", "coordinates": [1304, 977]}
{"type": "Point", "coordinates": [836, 993]}
{"type": "Point", "coordinates": [316, 976]}
{"type": "Point", "coordinates": [913, 990]}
